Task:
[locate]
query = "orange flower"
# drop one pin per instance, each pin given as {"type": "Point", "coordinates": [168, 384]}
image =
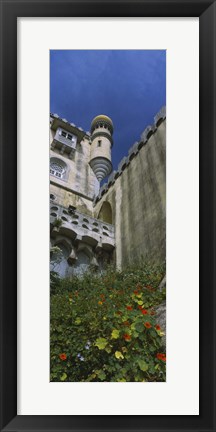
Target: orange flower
{"type": "Point", "coordinates": [147, 324]}
{"type": "Point", "coordinates": [136, 292]}
{"type": "Point", "coordinates": [129, 308]}
{"type": "Point", "coordinates": [157, 327]}
{"type": "Point", "coordinates": [62, 356]}
{"type": "Point", "coordinates": [161, 356]}
{"type": "Point", "coordinates": [100, 302]}
{"type": "Point", "coordinates": [144, 312]}
{"type": "Point", "coordinates": [127, 337]}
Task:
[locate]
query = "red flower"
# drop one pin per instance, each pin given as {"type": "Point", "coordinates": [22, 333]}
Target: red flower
{"type": "Point", "coordinates": [147, 324]}
{"type": "Point", "coordinates": [129, 308]}
{"type": "Point", "coordinates": [136, 292]}
{"type": "Point", "coordinates": [161, 356]}
{"type": "Point", "coordinates": [144, 312]}
{"type": "Point", "coordinates": [62, 356]}
{"type": "Point", "coordinates": [157, 327]}
{"type": "Point", "coordinates": [140, 307]}
{"type": "Point", "coordinates": [127, 337]}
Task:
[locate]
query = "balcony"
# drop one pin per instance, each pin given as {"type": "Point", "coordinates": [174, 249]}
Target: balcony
{"type": "Point", "coordinates": [80, 227]}
{"type": "Point", "coordinates": [64, 141]}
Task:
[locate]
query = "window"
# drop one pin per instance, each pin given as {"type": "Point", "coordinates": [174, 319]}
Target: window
{"type": "Point", "coordinates": [99, 143]}
{"type": "Point", "coordinates": [67, 136]}
{"type": "Point", "coordinates": [57, 169]}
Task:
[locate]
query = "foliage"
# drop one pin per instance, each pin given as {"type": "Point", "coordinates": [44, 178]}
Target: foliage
{"type": "Point", "coordinates": [55, 259]}
{"type": "Point", "coordinates": [103, 327]}
{"type": "Point", "coordinates": [57, 223]}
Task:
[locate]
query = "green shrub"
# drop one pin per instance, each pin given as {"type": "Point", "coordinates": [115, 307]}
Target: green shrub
{"type": "Point", "coordinates": [103, 328]}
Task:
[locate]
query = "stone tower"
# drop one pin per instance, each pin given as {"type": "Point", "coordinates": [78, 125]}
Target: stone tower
{"type": "Point", "coordinates": [101, 143]}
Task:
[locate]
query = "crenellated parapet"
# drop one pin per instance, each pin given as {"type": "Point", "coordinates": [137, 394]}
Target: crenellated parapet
{"type": "Point", "coordinates": [133, 151]}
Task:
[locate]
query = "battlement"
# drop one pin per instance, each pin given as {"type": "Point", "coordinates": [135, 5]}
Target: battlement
{"type": "Point", "coordinates": [57, 122]}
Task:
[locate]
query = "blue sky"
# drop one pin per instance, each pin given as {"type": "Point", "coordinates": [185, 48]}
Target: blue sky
{"type": "Point", "coordinates": [128, 86]}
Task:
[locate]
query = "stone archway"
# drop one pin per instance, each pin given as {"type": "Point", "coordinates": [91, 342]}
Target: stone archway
{"type": "Point", "coordinates": [105, 213]}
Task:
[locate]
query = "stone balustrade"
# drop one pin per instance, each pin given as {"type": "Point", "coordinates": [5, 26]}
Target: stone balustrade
{"type": "Point", "coordinates": [83, 227]}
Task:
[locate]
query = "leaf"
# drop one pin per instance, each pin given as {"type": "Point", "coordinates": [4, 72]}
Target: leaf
{"type": "Point", "coordinates": [119, 355]}
{"type": "Point", "coordinates": [78, 321]}
{"type": "Point", "coordinates": [63, 377]}
{"type": "Point", "coordinates": [115, 334]}
{"type": "Point", "coordinates": [101, 375]}
{"type": "Point", "coordinates": [142, 365]}
{"type": "Point", "coordinates": [101, 343]}
{"type": "Point", "coordinates": [139, 327]}
{"type": "Point", "coordinates": [108, 349]}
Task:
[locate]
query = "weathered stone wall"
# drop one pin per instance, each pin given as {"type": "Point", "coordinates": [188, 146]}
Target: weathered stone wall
{"type": "Point", "coordinates": [138, 201]}
{"type": "Point", "coordinates": [79, 177]}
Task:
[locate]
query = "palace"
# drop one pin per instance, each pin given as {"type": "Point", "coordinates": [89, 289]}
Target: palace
{"type": "Point", "coordinates": [122, 221]}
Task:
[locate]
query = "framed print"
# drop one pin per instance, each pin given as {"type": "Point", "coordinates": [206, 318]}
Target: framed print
{"type": "Point", "coordinates": [116, 396]}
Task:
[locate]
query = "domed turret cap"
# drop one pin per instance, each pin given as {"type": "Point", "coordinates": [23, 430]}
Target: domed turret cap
{"type": "Point", "coordinates": [102, 119]}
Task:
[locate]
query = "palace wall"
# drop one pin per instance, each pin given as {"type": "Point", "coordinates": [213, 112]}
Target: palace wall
{"type": "Point", "coordinates": [138, 201]}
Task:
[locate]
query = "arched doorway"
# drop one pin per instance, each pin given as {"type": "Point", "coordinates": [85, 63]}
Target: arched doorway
{"type": "Point", "coordinates": [105, 213]}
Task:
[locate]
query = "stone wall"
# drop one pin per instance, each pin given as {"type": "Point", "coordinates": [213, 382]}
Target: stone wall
{"type": "Point", "coordinates": [137, 196]}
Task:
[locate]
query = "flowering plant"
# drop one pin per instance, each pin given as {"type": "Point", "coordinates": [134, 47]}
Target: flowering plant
{"type": "Point", "coordinates": [105, 328]}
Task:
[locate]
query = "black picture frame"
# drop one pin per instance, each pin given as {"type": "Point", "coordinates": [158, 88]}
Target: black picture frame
{"type": "Point", "coordinates": [10, 11]}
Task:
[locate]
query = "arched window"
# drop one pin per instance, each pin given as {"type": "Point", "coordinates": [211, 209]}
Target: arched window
{"type": "Point", "coordinates": [57, 168]}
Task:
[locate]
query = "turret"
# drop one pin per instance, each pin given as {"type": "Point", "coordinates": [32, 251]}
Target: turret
{"type": "Point", "coordinates": [101, 138]}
